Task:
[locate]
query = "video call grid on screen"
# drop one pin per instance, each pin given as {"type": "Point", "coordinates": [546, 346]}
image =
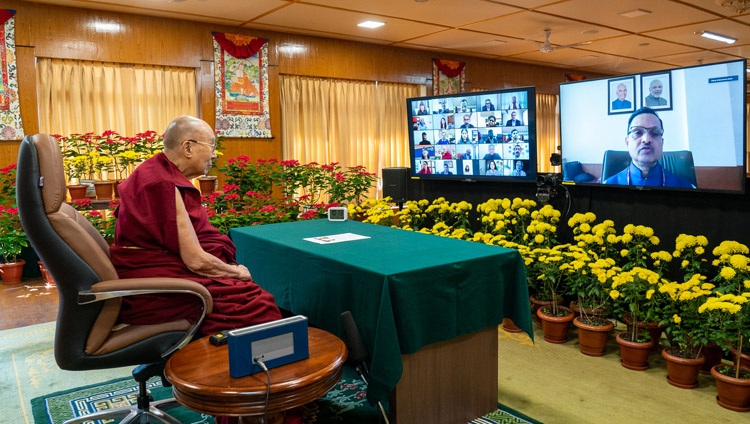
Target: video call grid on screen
{"type": "Point", "coordinates": [469, 135]}
{"type": "Point", "coordinates": [702, 109]}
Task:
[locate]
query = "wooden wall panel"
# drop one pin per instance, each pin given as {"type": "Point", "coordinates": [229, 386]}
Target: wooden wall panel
{"type": "Point", "coordinates": [63, 32]}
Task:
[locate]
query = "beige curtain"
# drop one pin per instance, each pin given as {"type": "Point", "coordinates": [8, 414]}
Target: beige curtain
{"type": "Point", "coordinates": [349, 122]}
{"type": "Point", "coordinates": [547, 130]}
{"type": "Point", "coordinates": [76, 97]}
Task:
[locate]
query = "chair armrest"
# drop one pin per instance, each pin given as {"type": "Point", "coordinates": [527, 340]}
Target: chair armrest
{"type": "Point", "coordinates": [111, 289]}
{"type": "Point", "coordinates": [135, 286]}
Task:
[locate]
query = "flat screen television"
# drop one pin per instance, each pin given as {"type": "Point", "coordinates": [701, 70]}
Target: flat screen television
{"type": "Point", "coordinates": [678, 129]}
{"type": "Point", "coordinates": [487, 135]}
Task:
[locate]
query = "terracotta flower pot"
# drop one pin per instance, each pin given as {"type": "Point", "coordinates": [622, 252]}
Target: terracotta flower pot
{"type": "Point", "coordinates": [592, 339]}
{"type": "Point", "coordinates": [744, 358]}
{"type": "Point", "coordinates": [510, 326]}
{"type": "Point", "coordinates": [633, 355]}
{"type": "Point", "coordinates": [12, 272]}
{"type": "Point", "coordinates": [682, 372]}
{"type": "Point", "coordinates": [588, 311]}
{"type": "Point", "coordinates": [46, 276]}
{"type": "Point", "coordinates": [654, 330]}
{"type": "Point", "coordinates": [207, 184]}
{"type": "Point", "coordinates": [733, 393]}
{"type": "Point", "coordinates": [77, 191]}
{"type": "Point", "coordinates": [104, 189]}
{"type": "Point", "coordinates": [713, 355]}
{"type": "Point", "coordinates": [537, 303]}
{"type": "Point", "coordinates": [554, 328]}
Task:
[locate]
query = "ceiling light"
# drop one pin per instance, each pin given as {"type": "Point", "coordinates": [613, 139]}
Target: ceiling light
{"type": "Point", "coordinates": [111, 27]}
{"type": "Point", "coordinates": [635, 13]}
{"type": "Point", "coordinates": [716, 37]}
{"type": "Point", "coordinates": [371, 24]}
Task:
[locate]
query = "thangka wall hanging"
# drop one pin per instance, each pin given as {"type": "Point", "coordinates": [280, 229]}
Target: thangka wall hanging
{"type": "Point", "coordinates": [447, 76]}
{"type": "Point", "coordinates": [11, 127]}
{"type": "Point", "coordinates": [241, 83]}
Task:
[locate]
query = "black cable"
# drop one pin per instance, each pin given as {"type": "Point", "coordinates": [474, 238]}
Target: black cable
{"type": "Point", "coordinates": [268, 388]}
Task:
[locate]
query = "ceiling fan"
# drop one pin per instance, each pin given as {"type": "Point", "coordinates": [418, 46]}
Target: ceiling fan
{"type": "Point", "coordinates": [546, 47]}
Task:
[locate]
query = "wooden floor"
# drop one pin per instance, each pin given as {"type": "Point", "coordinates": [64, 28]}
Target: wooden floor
{"type": "Point", "coordinates": [30, 302]}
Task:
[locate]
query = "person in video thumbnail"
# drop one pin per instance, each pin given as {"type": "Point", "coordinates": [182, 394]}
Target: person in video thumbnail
{"type": "Point", "coordinates": [464, 137]}
{"type": "Point", "coordinates": [514, 137]}
{"type": "Point", "coordinates": [490, 137]}
{"type": "Point", "coordinates": [621, 102]}
{"type": "Point", "coordinates": [491, 168]}
{"type": "Point", "coordinates": [443, 108]}
{"type": "Point", "coordinates": [425, 153]}
{"type": "Point", "coordinates": [517, 150]}
{"type": "Point", "coordinates": [491, 121]}
{"type": "Point", "coordinates": [443, 123]}
{"type": "Point", "coordinates": [513, 121]}
{"type": "Point", "coordinates": [654, 98]}
{"type": "Point", "coordinates": [488, 106]}
{"type": "Point", "coordinates": [425, 168]}
{"type": "Point", "coordinates": [645, 143]}
{"type": "Point", "coordinates": [518, 170]}
{"type": "Point", "coordinates": [443, 138]}
{"type": "Point", "coordinates": [491, 154]}
{"type": "Point", "coordinates": [467, 122]}
{"type": "Point", "coordinates": [446, 169]}
{"type": "Point", "coordinates": [514, 103]}
{"type": "Point", "coordinates": [422, 109]}
{"type": "Point", "coordinates": [464, 106]}
{"type": "Point", "coordinates": [424, 140]}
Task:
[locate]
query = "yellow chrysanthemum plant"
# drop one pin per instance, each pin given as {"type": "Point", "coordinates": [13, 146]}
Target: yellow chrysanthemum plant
{"type": "Point", "coordinates": [546, 274]}
{"type": "Point", "coordinates": [373, 211]}
{"type": "Point", "coordinates": [727, 311]}
{"type": "Point", "coordinates": [450, 219]}
{"type": "Point", "coordinates": [594, 265]}
{"type": "Point", "coordinates": [632, 293]}
{"type": "Point", "coordinates": [505, 222]}
{"type": "Point", "coordinates": [637, 243]}
{"type": "Point", "coordinates": [677, 302]}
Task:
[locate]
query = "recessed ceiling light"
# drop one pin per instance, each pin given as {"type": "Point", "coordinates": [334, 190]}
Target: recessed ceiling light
{"type": "Point", "coordinates": [635, 13]}
{"type": "Point", "coordinates": [644, 44]}
{"type": "Point", "coordinates": [590, 32]}
{"type": "Point", "coordinates": [716, 37]}
{"type": "Point", "coordinates": [371, 24]}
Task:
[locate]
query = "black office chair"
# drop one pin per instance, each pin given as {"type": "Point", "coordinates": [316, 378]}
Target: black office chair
{"type": "Point", "coordinates": [90, 292]}
{"type": "Point", "coordinates": [678, 162]}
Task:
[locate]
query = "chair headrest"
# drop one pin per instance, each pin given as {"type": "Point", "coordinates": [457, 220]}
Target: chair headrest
{"type": "Point", "coordinates": [52, 170]}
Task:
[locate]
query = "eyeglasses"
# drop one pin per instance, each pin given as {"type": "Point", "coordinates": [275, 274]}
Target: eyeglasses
{"type": "Point", "coordinates": [638, 132]}
{"type": "Point", "coordinates": [211, 145]}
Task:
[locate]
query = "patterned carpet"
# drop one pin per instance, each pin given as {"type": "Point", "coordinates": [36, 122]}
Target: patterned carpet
{"type": "Point", "coordinates": [343, 404]}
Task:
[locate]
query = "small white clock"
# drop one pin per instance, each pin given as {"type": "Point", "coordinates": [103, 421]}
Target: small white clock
{"type": "Point", "coordinates": [338, 214]}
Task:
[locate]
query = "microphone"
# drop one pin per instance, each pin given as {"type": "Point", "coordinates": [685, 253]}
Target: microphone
{"type": "Point", "coordinates": [357, 349]}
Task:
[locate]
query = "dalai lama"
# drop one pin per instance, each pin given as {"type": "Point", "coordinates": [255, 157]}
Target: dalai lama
{"type": "Point", "coordinates": [163, 230]}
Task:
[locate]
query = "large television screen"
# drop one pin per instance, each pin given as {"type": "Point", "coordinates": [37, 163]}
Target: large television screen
{"type": "Point", "coordinates": [487, 135]}
{"type": "Point", "coordinates": [678, 129]}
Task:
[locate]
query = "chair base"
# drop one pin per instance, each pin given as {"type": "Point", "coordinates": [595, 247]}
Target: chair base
{"type": "Point", "coordinates": [134, 414]}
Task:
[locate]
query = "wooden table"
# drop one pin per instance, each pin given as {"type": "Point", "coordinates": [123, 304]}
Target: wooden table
{"type": "Point", "coordinates": [200, 375]}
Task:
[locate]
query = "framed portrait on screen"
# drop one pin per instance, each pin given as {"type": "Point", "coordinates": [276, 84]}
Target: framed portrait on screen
{"type": "Point", "coordinates": [656, 90]}
{"type": "Point", "coordinates": [621, 95]}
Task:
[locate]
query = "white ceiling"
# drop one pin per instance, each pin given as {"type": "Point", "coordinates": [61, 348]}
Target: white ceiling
{"type": "Point", "coordinates": [495, 29]}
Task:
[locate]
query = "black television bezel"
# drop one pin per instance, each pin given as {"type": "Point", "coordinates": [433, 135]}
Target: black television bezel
{"type": "Point", "coordinates": [742, 176]}
{"type": "Point", "coordinates": [531, 172]}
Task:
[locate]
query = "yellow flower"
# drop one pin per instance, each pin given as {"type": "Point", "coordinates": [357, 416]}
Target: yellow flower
{"type": "Point", "coordinates": [676, 318]}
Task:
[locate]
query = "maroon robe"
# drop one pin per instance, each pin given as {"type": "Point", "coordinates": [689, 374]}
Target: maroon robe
{"type": "Point", "coordinates": [146, 245]}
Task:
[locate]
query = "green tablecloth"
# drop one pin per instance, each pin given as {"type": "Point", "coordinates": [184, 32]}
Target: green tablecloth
{"type": "Point", "coordinates": [404, 289]}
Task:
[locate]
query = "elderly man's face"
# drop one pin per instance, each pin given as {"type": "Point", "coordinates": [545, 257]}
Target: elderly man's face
{"type": "Point", "coordinates": [467, 119]}
{"type": "Point", "coordinates": [644, 145]}
{"type": "Point", "coordinates": [656, 87]}
{"type": "Point", "coordinates": [622, 92]}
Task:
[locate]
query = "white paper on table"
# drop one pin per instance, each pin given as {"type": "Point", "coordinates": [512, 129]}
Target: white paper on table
{"type": "Point", "coordinates": [336, 238]}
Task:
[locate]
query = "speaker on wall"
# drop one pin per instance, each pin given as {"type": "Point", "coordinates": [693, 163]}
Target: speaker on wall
{"type": "Point", "coordinates": [395, 184]}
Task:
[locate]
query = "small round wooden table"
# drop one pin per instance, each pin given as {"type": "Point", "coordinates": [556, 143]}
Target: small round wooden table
{"type": "Point", "coordinates": [199, 373]}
